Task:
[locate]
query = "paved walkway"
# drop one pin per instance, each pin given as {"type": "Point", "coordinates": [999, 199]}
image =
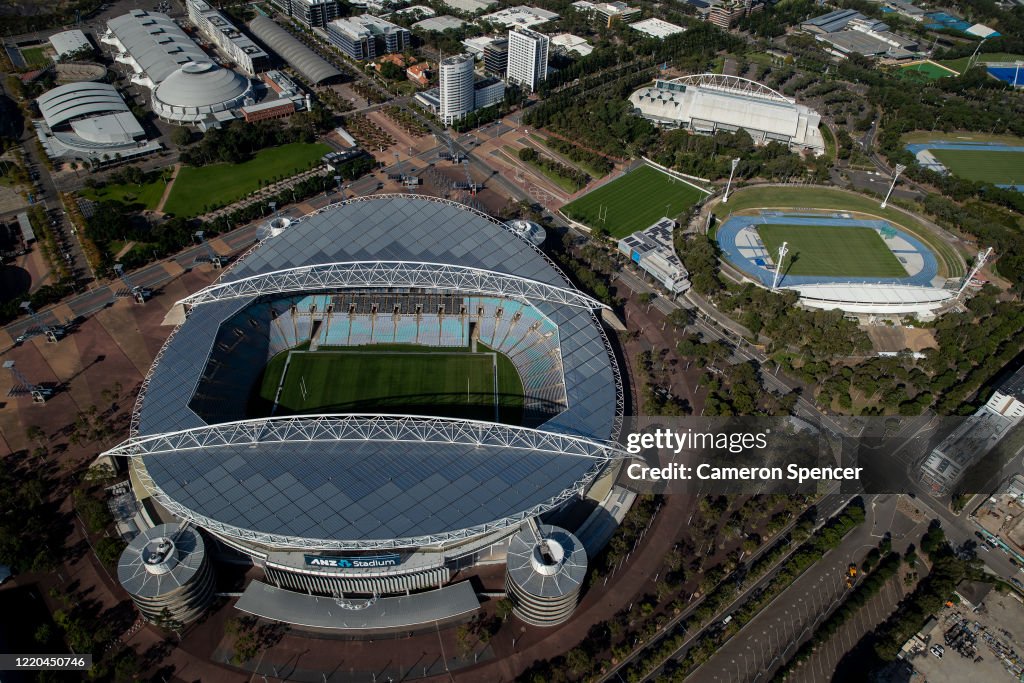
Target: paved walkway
{"type": "Point", "coordinates": [167, 190]}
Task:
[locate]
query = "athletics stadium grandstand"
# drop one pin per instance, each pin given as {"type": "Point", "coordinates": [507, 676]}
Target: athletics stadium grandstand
{"type": "Point", "coordinates": [708, 103]}
{"type": "Point", "coordinates": [834, 260]}
{"type": "Point", "coordinates": [375, 397]}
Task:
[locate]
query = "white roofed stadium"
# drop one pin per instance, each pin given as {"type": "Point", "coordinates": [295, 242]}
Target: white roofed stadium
{"type": "Point", "coordinates": [365, 504]}
{"type": "Point", "coordinates": [707, 103]}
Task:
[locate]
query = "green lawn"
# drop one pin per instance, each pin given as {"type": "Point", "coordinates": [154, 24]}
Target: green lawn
{"type": "Point", "coordinates": [950, 264]}
{"type": "Point", "coordinates": [633, 202]}
{"type": "Point", "coordinates": [145, 196]}
{"type": "Point", "coordinates": [561, 181]}
{"type": "Point", "coordinates": [960, 64]}
{"type": "Point", "coordinates": [925, 71]}
{"type": "Point", "coordinates": [35, 56]}
{"type": "Point", "coordinates": [198, 190]}
{"type": "Point", "coordinates": [832, 250]}
{"type": "Point", "coordinates": [990, 166]}
{"type": "Point", "coordinates": [396, 379]}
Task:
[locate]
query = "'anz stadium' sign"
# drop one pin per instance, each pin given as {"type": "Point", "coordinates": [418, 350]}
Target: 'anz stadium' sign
{"type": "Point", "coordinates": [354, 562]}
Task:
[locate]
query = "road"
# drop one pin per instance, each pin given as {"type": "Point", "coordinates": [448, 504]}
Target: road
{"type": "Point", "coordinates": [835, 504]}
{"type": "Point", "coordinates": [771, 637]}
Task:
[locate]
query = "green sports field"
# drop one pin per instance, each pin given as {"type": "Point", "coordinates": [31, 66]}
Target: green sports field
{"type": "Point", "coordinates": [990, 166]}
{"type": "Point", "coordinates": [633, 202]}
{"type": "Point", "coordinates": [925, 71]}
{"type": "Point", "coordinates": [832, 251]}
{"type": "Point", "coordinates": [405, 380]}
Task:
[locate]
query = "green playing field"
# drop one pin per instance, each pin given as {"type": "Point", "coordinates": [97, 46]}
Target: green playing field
{"type": "Point", "coordinates": [633, 202]}
{"type": "Point", "coordinates": [990, 166]}
{"type": "Point", "coordinates": [401, 380]}
{"type": "Point", "coordinates": [832, 251]}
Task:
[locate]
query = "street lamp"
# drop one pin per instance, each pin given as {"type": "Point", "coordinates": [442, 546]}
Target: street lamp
{"type": "Point", "coordinates": [735, 163]}
{"type": "Point", "coordinates": [337, 179]}
{"type": "Point", "coordinates": [900, 168]}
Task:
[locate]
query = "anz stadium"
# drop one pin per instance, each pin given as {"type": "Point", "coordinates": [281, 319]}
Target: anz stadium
{"type": "Point", "coordinates": [377, 397]}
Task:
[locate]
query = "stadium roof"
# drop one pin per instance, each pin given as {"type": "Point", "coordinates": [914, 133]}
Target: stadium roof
{"type": "Point", "coordinates": [308, 63]}
{"type": "Point", "coordinates": [77, 100]}
{"type": "Point", "coordinates": [201, 86]}
{"type": "Point", "coordinates": [874, 298]}
{"type": "Point", "coordinates": [707, 102]}
{"type": "Point", "coordinates": [87, 121]}
{"type": "Point", "coordinates": [378, 491]}
{"type": "Point", "coordinates": [155, 42]}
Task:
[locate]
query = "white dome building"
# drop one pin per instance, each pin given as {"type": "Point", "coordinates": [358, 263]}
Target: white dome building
{"type": "Point", "coordinates": [201, 94]}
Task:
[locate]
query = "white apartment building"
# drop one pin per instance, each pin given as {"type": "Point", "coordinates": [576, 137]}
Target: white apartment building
{"type": "Point", "coordinates": [527, 57]}
{"type": "Point", "coordinates": [456, 91]}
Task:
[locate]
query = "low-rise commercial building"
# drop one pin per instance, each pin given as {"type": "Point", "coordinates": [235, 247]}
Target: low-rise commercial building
{"type": "Point", "coordinates": [656, 28]}
{"type": "Point", "coordinates": [607, 11]}
{"type": "Point", "coordinates": [312, 13]}
{"type": "Point", "coordinates": [653, 251]}
{"type": "Point", "coordinates": [67, 43]}
{"type": "Point", "coordinates": [365, 36]}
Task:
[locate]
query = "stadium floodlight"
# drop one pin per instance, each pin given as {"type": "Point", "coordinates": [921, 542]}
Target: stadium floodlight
{"type": "Point", "coordinates": [778, 265]}
{"type": "Point", "coordinates": [735, 163]}
{"type": "Point", "coordinates": [979, 263]}
{"type": "Point", "coordinates": [900, 168]}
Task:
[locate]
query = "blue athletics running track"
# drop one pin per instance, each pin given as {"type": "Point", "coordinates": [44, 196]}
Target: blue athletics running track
{"type": "Point", "coordinates": [741, 245]}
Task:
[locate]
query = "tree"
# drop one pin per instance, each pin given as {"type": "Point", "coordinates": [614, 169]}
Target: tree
{"type": "Point", "coordinates": [503, 608]}
{"type": "Point", "coordinates": [392, 71]}
{"type": "Point", "coordinates": [168, 622]}
{"type": "Point", "coordinates": [181, 136]}
{"type": "Point", "coordinates": [36, 433]}
{"type": "Point", "coordinates": [109, 550]}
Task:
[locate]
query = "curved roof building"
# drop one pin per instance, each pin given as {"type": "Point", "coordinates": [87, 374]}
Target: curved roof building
{"type": "Point", "coordinates": [200, 92]}
{"type": "Point", "coordinates": [430, 491]}
{"type": "Point", "coordinates": [312, 66]}
{"type": "Point", "coordinates": [152, 44]}
{"type": "Point", "coordinates": [89, 121]}
{"type": "Point", "coordinates": [707, 103]}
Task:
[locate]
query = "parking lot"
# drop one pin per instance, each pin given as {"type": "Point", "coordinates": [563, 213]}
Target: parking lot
{"type": "Point", "coordinates": [987, 645]}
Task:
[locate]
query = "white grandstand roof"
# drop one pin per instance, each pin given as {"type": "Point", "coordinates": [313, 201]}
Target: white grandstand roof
{"type": "Point", "coordinates": [706, 102]}
{"type": "Point", "coordinates": [155, 42]}
{"type": "Point", "coordinates": [873, 298]}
